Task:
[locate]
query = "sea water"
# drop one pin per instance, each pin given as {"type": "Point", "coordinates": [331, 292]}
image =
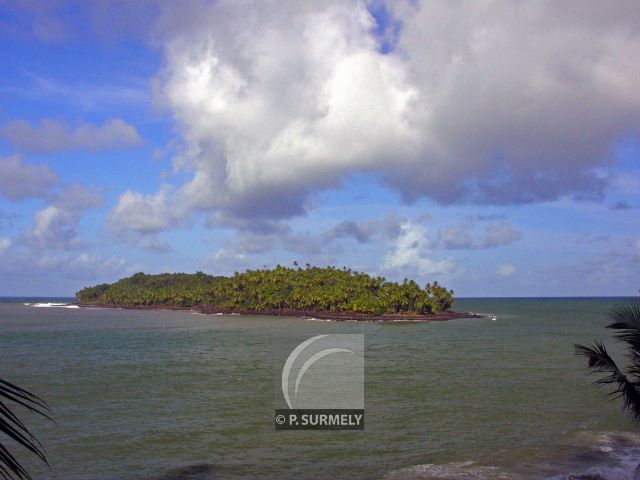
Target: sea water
{"type": "Point", "coordinates": [170, 395]}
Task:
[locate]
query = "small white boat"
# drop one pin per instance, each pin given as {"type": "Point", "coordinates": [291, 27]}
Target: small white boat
{"type": "Point", "coordinates": [493, 318]}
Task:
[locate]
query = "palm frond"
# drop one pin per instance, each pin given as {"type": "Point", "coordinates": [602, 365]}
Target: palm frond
{"type": "Point", "coordinates": [601, 362]}
{"type": "Point", "coordinates": [626, 315]}
{"type": "Point", "coordinates": [626, 319]}
{"type": "Point", "coordinates": [598, 357]}
{"type": "Point", "coordinates": [15, 429]}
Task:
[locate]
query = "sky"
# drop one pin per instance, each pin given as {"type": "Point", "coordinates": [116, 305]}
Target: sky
{"type": "Point", "coordinates": [491, 146]}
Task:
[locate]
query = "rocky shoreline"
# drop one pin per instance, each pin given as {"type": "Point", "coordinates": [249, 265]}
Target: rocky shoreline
{"type": "Point", "coordinates": [321, 315]}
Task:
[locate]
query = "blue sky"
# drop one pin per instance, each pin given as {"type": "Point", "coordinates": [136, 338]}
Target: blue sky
{"type": "Point", "coordinates": [490, 146]}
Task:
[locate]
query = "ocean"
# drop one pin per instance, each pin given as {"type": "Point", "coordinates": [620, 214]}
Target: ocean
{"type": "Point", "coordinates": [174, 395]}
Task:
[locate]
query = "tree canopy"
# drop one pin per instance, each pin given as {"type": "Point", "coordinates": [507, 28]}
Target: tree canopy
{"type": "Point", "coordinates": [311, 288]}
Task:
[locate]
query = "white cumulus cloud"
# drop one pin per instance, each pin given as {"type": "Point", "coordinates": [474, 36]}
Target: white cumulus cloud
{"type": "Point", "coordinates": [410, 250]}
{"type": "Point", "coordinates": [272, 115]}
{"type": "Point", "coordinates": [480, 101]}
{"type": "Point", "coordinates": [19, 181]}
{"type": "Point", "coordinates": [144, 214]}
{"type": "Point", "coordinates": [56, 226]}
{"type": "Point", "coordinates": [138, 218]}
{"type": "Point", "coordinates": [53, 227]}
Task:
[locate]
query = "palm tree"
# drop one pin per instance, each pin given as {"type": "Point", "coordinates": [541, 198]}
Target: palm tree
{"type": "Point", "coordinates": [626, 320]}
{"type": "Point", "coordinates": [13, 427]}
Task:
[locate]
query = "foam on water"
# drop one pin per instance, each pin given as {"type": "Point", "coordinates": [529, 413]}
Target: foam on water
{"type": "Point", "coordinates": [449, 471]}
{"type": "Point", "coordinates": [608, 455]}
{"type": "Point", "coordinates": [595, 456]}
{"type": "Point", "coordinates": [51, 305]}
{"type": "Point", "coordinates": [314, 319]}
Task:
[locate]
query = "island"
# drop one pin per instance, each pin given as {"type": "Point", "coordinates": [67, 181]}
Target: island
{"type": "Point", "coordinates": [319, 292]}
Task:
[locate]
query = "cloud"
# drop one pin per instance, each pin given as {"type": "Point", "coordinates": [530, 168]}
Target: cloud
{"type": "Point", "coordinates": [55, 136]}
{"type": "Point", "coordinates": [589, 238]}
{"type": "Point", "coordinates": [142, 214]}
{"type": "Point", "coordinates": [498, 235]}
{"type": "Point", "coordinates": [224, 262]}
{"type": "Point", "coordinates": [617, 265]}
{"type": "Point", "coordinates": [472, 101]}
{"type": "Point", "coordinates": [620, 205]}
{"type": "Point", "coordinates": [28, 272]}
{"type": "Point", "coordinates": [19, 181]}
{"type": "Point", "coordinates": [152, 244]}
{"type": "Point", "coordinates": [35, 18]}
{"type": "Point", "coordinates": [266, 148]}
{"type": "Point", "coordinates": [458, 237]}
{"type": "Point", "coordinates": [6, 219]}
{"type": "Point", "coordinates": [104, 95]}
{"type": "Point", "coordinates": [77, 197]}
{"type": "Point", "coordinates": [248, 243]}
{"type": "Point", "coordinates": [360, 231]}
{"type": "Point", "coordinates": [55, 267]}
{"type": "Point", "coordinates": [488, 217]}
{"type": "Point", "coordinates": [278, 235]}
{"type": "Point", "coordinates": [464, 236]}
{"type": "Point", "coordinates": [269, 243]}
{"type": "Point", "coordinates": [505, 270]}
{"type": "Point", "coordinates": [86, 265]}
{"type": "Point", "coordinates": [305, 243]}
{"type": "Point", "coordinates": [138, 218]}
{"type": "Point", "coordinates": [366, 231]}
{"type": "Point", "coordinates": [409, 252]}
{"type": "Point", "coordinates": [5, 243]}
{"type": "Point", "coordinates": [506, 90]}
{"type": "Point", "coordinates": [51, 21]}
{"type": "Point", "coordinates": [55, 226]}
{"type": "Point", "coordinates": [32, 259]}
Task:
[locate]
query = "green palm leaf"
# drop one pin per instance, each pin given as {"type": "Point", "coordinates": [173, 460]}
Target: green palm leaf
{"type": "Point", "coordinates": [15, 429]}
{"type": "Point", "coordinates": [626, 319]}
{"type": "Point", "coordinates": [601, 362]}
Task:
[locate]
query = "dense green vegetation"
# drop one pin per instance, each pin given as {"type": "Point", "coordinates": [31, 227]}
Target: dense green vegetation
{"type": "Point", "coordinates": [312, 288]}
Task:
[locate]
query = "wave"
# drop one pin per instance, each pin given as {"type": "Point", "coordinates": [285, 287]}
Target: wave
{"type": "Point", "coordinates": [51, 305]}
{"type": "Point", "coordinates": [314, 319]}
{"type": "Point", "coordinates": [594, 456]}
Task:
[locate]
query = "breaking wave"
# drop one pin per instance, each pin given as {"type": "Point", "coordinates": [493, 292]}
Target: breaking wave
{"type": "Point", "coordinates": [51, 305]}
